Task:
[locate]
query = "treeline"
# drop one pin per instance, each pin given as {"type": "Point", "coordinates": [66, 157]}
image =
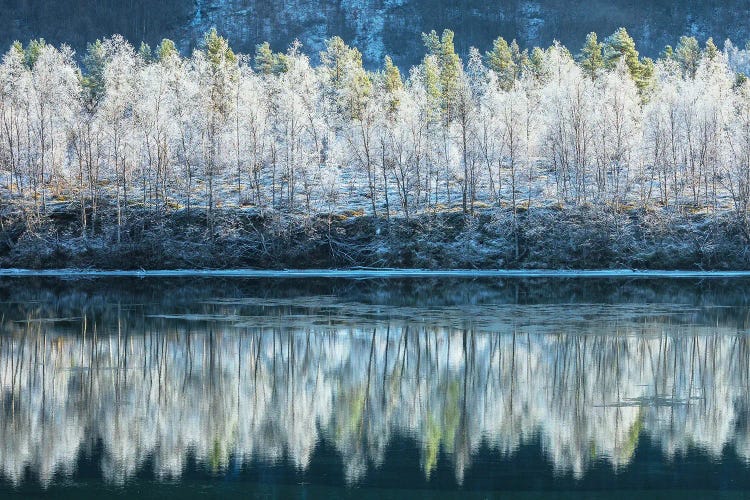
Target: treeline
{"type": "Point", "coordinates": [148, 129]}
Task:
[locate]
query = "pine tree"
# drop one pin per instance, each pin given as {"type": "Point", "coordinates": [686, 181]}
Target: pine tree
{"type": "Point", "coordinates": [621, 45]}
{"type": "Point", "coordinates": [359, 91]}
{"type": "Point", "coordinates": [646, 76]}
{"type": "Point", "coordinates": [592, 60]}
{"type": "Point", "coordinates": [217, 50]}
{"type": "Point", "coordinates": [520, 59]}
{"type": "Point", "coordinates": [268, 62]}
{"type": "Point", "coordinates": [350, 84]}
{"type": "Point", "coordinates": [264, 58]}
{"type": "Point", "coordinates": [711, 51]}
{"type": "Point", "coordinates": [32, 52]}
{"type": "Point", "coordinates": [431, 40]}
{"type": "Point", "coordinates": [688, 54]}
{"type": "Point", "coordinates": [145, 53]}
{"type": "Point", "coordinates": [339, 60]}
{"type": "Point", "coordinates": [95, 62]}
{"type": "Point", "coordinates": [500, 60]}
{"type": "Point", "coordinates": [392, 84]}
{"type": "Point", "coordinates": [220, 74]}
{"type": "Point", "coordinates": [431, 83]}
{"type": "Point", "coordinates": [538, 65]}
{"type": "Point", "coordinates": [166, 50]}
{"type": "Point", "coordinates": [449, 68]}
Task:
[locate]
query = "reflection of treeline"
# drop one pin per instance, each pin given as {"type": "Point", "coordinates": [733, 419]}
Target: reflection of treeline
{"type": "Point", "coordinates": [443, 301]}
{"type": "Point", "coordinates": [272, 394]}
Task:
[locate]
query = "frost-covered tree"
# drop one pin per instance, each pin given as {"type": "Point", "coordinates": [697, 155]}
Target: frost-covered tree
{"type": "Point", "coordinates": [115, 111]}
{"type": "Point", "coordinates": [569, 126]}
{"type": "Point", "coordinates": [616, 137]}
{"type": "Point", "coordinates": [54, 86]}
{"type": "Point", "coordinates": [130, 131]}
{"type": "Point", "coordinates": [217, 71]}
{"type": "Point", "coordinates": [156, 123]}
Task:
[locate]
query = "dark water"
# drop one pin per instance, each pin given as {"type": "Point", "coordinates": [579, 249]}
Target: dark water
{"type": "Point", "coordinates": [413, 388]}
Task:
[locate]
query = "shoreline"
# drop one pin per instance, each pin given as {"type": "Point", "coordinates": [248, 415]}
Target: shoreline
{"type": "Point", "coordinates": [372, 273]}
{"type": "Point", "coordinates": [541, 241]}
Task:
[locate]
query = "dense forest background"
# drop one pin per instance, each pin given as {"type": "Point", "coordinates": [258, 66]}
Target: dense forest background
{"type": "Point", "coordinates": [377, 27]}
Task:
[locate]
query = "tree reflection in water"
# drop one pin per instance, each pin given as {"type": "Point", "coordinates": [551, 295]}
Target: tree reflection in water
{"type": "Point", "coordinates": [267, 377]}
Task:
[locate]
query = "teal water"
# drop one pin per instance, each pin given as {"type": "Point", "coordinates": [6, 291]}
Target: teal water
{"type": "Point", "coordinates": [374, 388]}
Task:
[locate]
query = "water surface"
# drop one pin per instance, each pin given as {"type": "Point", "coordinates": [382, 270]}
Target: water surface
{"type": "Point", "coordinates": [372, 388]}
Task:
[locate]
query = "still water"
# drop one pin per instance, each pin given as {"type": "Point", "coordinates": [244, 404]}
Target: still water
{"type": "Point", "coordinates": [320, 388]}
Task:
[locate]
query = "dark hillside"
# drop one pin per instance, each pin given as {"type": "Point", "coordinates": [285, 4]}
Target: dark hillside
{"type": "Point", "coordinates": [377, 27]}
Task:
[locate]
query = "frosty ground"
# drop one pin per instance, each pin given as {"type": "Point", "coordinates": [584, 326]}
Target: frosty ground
{"type": "Point", "coordinates": [544, 238]}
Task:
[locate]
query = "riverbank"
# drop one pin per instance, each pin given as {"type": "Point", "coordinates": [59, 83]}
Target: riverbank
{"type": "Point", "coordinates": [539, 238]}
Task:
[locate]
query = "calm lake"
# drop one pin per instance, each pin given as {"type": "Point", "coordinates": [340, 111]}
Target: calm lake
{"type": "Point", "coordinates": [374, 388]}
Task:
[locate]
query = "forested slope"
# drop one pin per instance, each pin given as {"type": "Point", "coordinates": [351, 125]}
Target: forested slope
{"type": "Point", "coordinates": [377, 27]}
